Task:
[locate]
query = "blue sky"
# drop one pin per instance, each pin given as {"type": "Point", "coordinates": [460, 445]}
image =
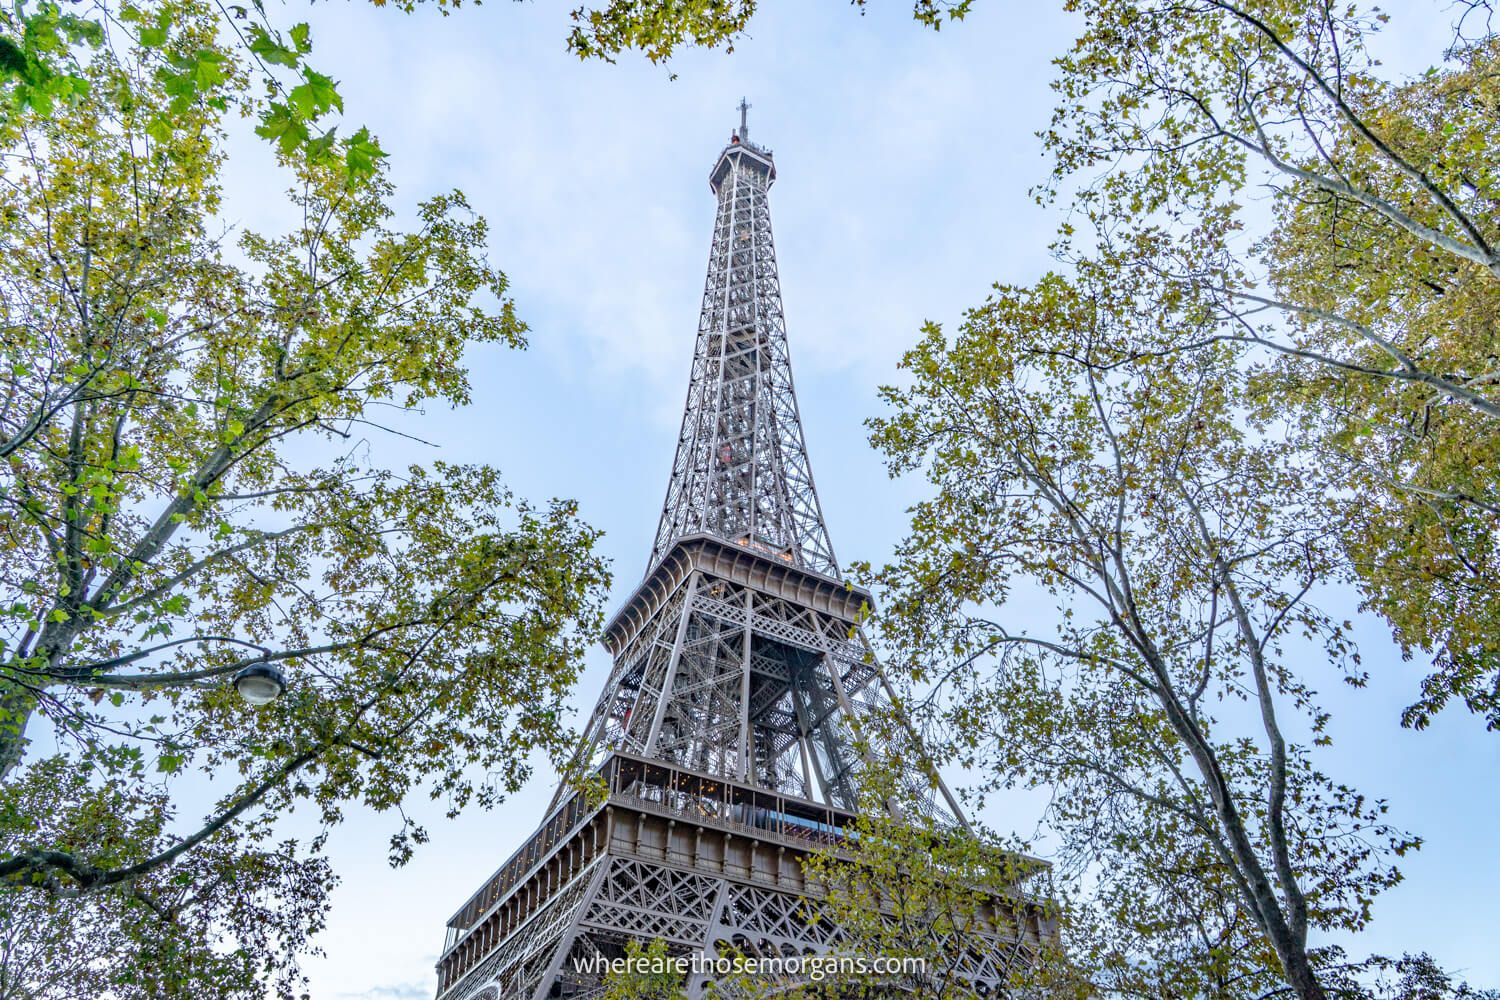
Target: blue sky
{"type": "Point", "coordinates": [905, 158]}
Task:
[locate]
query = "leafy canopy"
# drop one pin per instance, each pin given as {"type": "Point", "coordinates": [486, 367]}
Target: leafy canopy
{"type": "Point", "coordinates": [190, 487]}
{"type": "Point", "coordinates": [649, 972]}
{"type": "Point", "coordinates": [1171, 712]}
{"type": "Point", "coordinates": [948, 910]}
{"type": "Point", "coordinates": [1368, 289]}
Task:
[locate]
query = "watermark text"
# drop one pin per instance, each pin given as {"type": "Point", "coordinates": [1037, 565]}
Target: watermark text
{"type": "Point", "coordinates": [815, 968]}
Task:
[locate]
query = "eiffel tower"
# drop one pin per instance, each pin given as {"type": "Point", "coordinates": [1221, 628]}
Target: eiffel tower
{"type": "Point", "coordinates": [722, 749]}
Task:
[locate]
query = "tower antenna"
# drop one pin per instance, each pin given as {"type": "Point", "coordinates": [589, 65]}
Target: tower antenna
{"type": "Point", "coordinates": [744, 123]}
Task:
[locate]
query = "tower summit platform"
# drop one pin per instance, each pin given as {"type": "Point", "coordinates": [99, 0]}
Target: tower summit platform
{"type": "Point", "coordinates": [742, 154]}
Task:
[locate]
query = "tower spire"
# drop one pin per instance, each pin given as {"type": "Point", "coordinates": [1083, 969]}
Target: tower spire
{"type": "Point", "coordinates": [744, 123]}
{"type": "Point", "coordinates": [741, 471]}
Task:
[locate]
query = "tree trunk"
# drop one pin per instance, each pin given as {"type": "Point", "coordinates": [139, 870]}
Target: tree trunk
{"type": "Point", "coordinates": [16, 706]}
{"type": "Point", "coordinates": [1299, 973]}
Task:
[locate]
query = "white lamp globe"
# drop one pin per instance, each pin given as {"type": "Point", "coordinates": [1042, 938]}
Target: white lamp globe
{"type": "Point", "coordinates": [260, 683]}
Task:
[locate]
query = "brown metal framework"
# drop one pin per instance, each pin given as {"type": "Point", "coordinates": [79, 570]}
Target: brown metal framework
{"type": "Point", "coordinates": [726, 732]}
{"type": "Point", "coordinates": [704, 864]}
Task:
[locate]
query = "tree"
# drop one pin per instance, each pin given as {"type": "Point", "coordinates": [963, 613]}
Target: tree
{"type": "Point", "coordinates": [1418, 444]}
{"type": "Point", "coordinates": [1419, 978]}
{"type": "Point", "coordinates": [658, 28]}
{"type": "Point", "coordinates": [1370, 291]}
{"type": "Point", "coordinates": [1173, 712]}
{"type": "Point", "coordinates": [45, 55]}
{"type": "Point", "coordinates": [214, 925]}
{"type": "Point", "coordinates": [650, 972]}
{"type": "Point", "coordinates": [189, 491]}
{"type": "Point", "coordinates": [927, 910]}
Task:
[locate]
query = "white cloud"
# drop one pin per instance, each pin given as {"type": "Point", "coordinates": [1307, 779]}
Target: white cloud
{"type": "Point", "coordinates": [408, 991]}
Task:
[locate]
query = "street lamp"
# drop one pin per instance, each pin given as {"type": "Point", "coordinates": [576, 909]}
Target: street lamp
{"type": "Point", "coordinates": [260, 683]}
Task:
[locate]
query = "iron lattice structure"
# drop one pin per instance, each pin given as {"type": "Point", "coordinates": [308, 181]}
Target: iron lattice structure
{"type": "Point", "coordinates": [741, 470]}
{"type": "Point", "coordinates": [724, 738]}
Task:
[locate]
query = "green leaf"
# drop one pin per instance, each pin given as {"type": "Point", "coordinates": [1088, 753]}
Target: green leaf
{"type": "Point", "coordinates": [160, 129]}
{"type": "Point", "coordinates": [360, 155]}
{"type": "Point", "coordinates": [81, 29]}
{"type": "Point", "coordinates": [269, 49]}
{"type": "Point", "coordinates": [282, 125]}
{"type": "Point", "coordinates": [40, 101]}
{"type": "Point", "coordinates": [208, 69]}
{"type": "Point", "coordinates": [317, 96]}
{"type": "Point", "coordinates": [320, 150]}
{"type": "Point", "coordinates": [301, 37]}
{"type": "Point", "coordinates": [13, 61]}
